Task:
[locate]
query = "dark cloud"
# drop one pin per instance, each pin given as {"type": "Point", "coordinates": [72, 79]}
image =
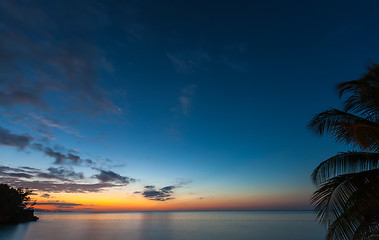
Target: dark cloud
{"type": "Point", "coordinates": [43, 51]}
{"type": "Point", "coordinates": [14, 172]}
{"type": "Point", "coordinates": [59, 153]}
{"type": "Point", "coordinates": [68, 157]}
{"type": "Point", "coordinates": [66, 173]}
{"type": "Point", "coordinates": [13, 140]}
{"type": "Point", "coordinates": [59, 204]}
{"type": "Point", "coordinates": [74, 158]}
{"type": "Point", "coordinates": [29, 168]}
{"type": "Point", "coordinates": [45, 195]}
{"type": "Point", "coordinates": [59, 180]}
{"type": "Point", "coordinates": [22, 141]}
{"type": "Point", "coordinates": [110, 176]}
{"type": "Point", "coordinates": [20, 97]}
{"type": "Point", "coordinates": [162, 194]}
{"type": "Point", "coordinates": [20, 175]}
{"type": "Point", "coordinates": [37, 146]}
{"type": "Point", "coordinates": [56, 187]}
{"type": "Point", "coordinates": [61, 158]}
{"type": "Point", "coordinates": [5, 169]}
{"type": "Point", "coordinates": [61, 174]}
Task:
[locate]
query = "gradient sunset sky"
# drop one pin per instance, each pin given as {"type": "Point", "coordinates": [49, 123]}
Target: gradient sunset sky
{"type": "Point", "coordinates": [174, 105]}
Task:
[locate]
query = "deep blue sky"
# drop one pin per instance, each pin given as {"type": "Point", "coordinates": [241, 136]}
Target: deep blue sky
{"type": "Point", "coordinates": [212, 97]}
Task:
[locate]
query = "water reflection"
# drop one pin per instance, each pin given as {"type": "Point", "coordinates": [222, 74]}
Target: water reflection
{"type": "Point", "coordinates": [14, 231]}
{"type": "Point", "coordinates": [168, 226]}
{"type": "Point", "coordinates": [155, 225]}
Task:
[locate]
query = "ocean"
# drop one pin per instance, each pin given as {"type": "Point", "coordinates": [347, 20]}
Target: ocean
{"type": "Point", "coordinates": [202, 225]}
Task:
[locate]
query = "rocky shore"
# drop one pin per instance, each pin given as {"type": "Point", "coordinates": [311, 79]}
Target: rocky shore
{"type": "Point", "coordinates": [19, 216]}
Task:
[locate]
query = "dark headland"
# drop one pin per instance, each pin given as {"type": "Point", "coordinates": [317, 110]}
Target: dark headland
{"type": "Point", "coordinates": [15, 206]}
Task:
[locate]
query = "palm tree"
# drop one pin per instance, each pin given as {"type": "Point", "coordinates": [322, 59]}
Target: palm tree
{"type": "Point", "coordinates": [347, 195]}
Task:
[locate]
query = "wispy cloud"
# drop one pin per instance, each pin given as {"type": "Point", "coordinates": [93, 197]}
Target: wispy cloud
{"type": "Point", "coordinates": [185, 99]}
{"type": "Point", "coordinates": [234, 64]}
{"type": "Point", "coordinates": [34, 62]}
{"type": "Point", "coordinates": [58, 204]}
{"type": "Point", "coordinates": [188, 61]}
{"type": "Point", "coordinates": [234, 55]}
{"type": "Point", "coordinates": [47, 123]}
{"type": "Point", "coordinates": [46, 195]}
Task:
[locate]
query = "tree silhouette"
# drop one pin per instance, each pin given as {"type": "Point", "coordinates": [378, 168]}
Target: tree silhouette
{"type": "Point", "coordinates": [15, 205]}
{"type": "Point", "coordinates": [347, 195]}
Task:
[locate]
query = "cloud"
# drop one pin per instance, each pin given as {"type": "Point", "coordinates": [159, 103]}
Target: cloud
{"type": "Point", "coordinates": [45, 195]}
{"type": "Point", "coordinates": [188, 62]}
{"type": "Point", "coordinates": [236, 65]}
{"type": "Point", "coordinates": [59, 204]}
{"type": "Point", "coordinates": [110, 176]}
{"type": "Point", "coordinates": [19, 96]}
{"type": "Point", "coordinates": [58, 153]}
{"type": "Point", "coordinates": [162, 194]}
{"type": "Point", "coordinates": [45, 124]}
{"type": "Point", "coordinates": [59, 180]}
{"type": "Point", "coordinates": [42, 56]}
{"type": "Point", "coordinates": [22, 141]}
{"type": "Point", "coordinates": [185, 99]}
{"type": "Point", "coordinates": [61, 174]}
{"type": "Point", "coordinates": [183, 181]}
{"type": "Point", "coordinates": [61, 158]}
{"type": "Point", "coordinates": [13, 140]}
{"type": "Point", "coordinates": [38, 123]}
{"type": "Point", "coordinates": [56, 187]}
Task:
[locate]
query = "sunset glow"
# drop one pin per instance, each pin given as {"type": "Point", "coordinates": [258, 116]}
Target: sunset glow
{"type": "Point", "coordinates": [173, 105]}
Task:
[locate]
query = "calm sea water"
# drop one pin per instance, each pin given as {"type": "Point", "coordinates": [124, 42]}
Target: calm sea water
{"type": "Point", "coordinates": [236, 225]}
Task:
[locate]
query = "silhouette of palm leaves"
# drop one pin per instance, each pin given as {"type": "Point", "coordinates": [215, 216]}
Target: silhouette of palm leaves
{"type": "Point", "coordinates": [347, 195]}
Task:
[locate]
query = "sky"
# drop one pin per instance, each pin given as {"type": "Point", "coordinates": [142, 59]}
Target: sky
{"type": "Point", "coordinates": [174, 105]}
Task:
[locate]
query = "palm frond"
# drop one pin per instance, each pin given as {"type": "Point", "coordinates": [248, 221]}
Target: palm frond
{"type": "Point", "coordinates": [364, 98]}
{"type": "Point", "coordinates": [346, 203]}
{"type": "Point", "coordinates": [343, 163]}
{"type": "Point", "coordinates": [347, 198]}
{"type": "Point", "coordinates": [347, 128]}
{"type": "Point", "coordinates": [368, 229]}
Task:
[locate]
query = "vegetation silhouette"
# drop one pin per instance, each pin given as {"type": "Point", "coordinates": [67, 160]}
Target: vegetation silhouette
{"type": "Point", "coordinates": [15, 205]}
{"type": "Point", "coordinates": [347, 195]}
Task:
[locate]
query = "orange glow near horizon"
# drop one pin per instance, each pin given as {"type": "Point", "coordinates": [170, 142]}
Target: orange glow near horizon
{"type": "Point", "coordinates": [114, 201]}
